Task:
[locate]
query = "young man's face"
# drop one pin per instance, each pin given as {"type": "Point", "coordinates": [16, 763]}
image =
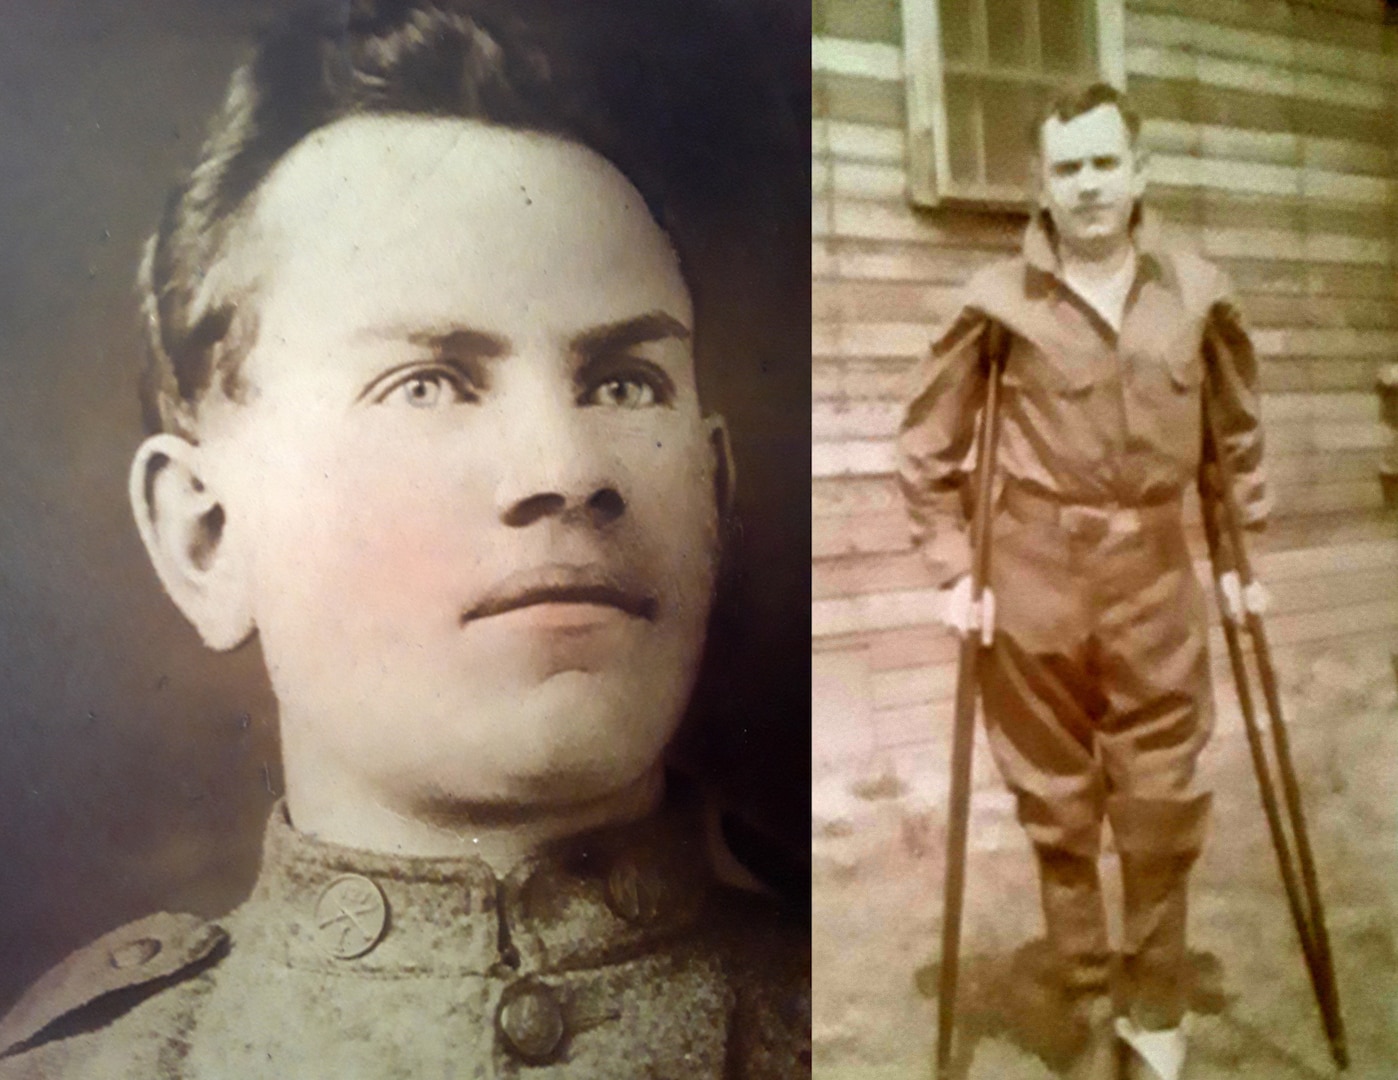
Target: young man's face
{"type": "Point", "coordinates": [472, 485]}
{"type": "Point", "coordinates": [1091, 177]}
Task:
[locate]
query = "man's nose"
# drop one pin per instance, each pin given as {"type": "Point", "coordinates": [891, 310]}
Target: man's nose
{"type": "Point", "coordinates": [601, 507]}
{"type": "Point", "coordinates": [558, 468]}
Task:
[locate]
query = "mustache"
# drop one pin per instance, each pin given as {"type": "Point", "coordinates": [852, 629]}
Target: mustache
{"type": "Point", "coordinates": [567, 583]}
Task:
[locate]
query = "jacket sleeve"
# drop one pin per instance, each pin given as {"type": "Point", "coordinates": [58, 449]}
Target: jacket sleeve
{"type": "Point", "coordinates": [934, 440]}
{"type": "Point", "coordinates": [1228, 351]}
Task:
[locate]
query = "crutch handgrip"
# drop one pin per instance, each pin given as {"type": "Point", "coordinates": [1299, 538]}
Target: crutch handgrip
{"type": "Point", "coordinates": [964, 614]}
{"type": "Point", "coordinates": [1241, 600]}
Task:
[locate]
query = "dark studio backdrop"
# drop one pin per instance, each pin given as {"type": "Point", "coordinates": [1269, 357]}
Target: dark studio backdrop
{"type": "Point", "coordinates": [136, 769]}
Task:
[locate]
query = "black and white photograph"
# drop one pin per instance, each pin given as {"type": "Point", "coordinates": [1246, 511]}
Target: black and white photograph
{"type": "Point", "coordinates": [404, 601]}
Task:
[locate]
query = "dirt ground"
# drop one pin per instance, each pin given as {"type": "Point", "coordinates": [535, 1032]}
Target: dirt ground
{"type": "Point", "coordinates": [877, 880]}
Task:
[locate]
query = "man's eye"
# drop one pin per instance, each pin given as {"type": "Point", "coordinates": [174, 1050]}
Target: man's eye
{"type": "Point", "coordinates": [1067, 168]}
{"type": "Point", "coordinates": [622, 392]}
{"type": "Point", "coordinates": [1106, 163]}
{"type": "Point", "coordinates": [430, 389]}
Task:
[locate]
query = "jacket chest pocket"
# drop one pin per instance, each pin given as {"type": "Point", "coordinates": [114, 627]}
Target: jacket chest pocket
{"type": "Point", "coordinates": [1170, 379]}
{"type": "Point", "coordinates": [1035, 372]}
{"type": "Point", "coordinates": [1167, 388]}
{"type": "Point", "coordinates": [1185, 369]}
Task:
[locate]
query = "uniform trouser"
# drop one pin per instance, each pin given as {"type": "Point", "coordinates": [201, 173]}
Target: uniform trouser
{"type": "Point", "coordinates": [1097, 702]}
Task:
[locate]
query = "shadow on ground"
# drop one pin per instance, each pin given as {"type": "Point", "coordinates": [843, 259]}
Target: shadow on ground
{"type": "Point", "coordinates": [1013, 998]}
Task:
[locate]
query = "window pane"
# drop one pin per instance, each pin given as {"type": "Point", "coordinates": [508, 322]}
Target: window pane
{"type": "Point", "coordinates": [957, 37]}
{"type": "Point", "coordinates": [963, 131]}
{"type": "Point", "coordinates": [1068, 31]}
{"type": "Point", "coordinates": [1009, 111]}
{"type": "Point", "coordinates": [1008, 34]}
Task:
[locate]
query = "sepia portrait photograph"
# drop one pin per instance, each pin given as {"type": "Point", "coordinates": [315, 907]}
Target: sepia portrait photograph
{"type": "Point", "coordinates": [404, 595]}
{"type": "Point", "coordinates": [1104, 539]}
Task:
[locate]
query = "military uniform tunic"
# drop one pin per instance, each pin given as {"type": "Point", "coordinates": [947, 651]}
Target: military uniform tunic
{"type": "Point", "coordinates": [1091, 416]}
{"type": "Point", "coordinates": [613, 955]}
{"type": "Point", "coordinates": [1096, 687]}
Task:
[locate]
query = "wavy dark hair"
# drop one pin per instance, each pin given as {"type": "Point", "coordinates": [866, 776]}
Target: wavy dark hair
{"type": "Point", "coordinates": [671, 92]}
{"type": "Point", "coordinates": [1075, 100]}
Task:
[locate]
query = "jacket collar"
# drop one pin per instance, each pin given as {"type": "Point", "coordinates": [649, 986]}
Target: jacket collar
{"type": "Point", "coordinates": [595, 897]}
{"type": "Point", "coordinates": [1040, 248]}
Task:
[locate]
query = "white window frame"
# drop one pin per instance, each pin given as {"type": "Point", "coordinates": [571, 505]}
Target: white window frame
{"type": "Point", "coordinates": [928, 149]}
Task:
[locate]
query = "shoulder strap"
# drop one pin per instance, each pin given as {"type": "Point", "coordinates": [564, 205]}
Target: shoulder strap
{"type": "Point", "coordinates": [150, 949]}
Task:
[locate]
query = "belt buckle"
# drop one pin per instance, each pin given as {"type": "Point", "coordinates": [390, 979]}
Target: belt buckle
{"type": "Point", "coordinates": [1125, 521]}
{"type": "Point", "coordinates": [1090, 523]}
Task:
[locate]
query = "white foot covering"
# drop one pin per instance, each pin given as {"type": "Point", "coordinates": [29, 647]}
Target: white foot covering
{"type": "Point", "coordinates": [1161, 1051]}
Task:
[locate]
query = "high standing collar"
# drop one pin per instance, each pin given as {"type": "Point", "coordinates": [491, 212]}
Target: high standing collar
{"type": "Point", "coordinates": [603, 894]}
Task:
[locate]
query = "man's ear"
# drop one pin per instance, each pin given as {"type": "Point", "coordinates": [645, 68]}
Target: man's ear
{"type": "Point", "coordinates": [185, 531]}
{"type": "Point", "coordinates": [725, 479]}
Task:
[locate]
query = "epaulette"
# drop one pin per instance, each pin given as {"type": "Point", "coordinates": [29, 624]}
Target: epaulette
{"type": "Point", "coordinates": [154, 949]}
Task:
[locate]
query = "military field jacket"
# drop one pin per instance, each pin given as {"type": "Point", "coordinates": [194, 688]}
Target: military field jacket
{"type": "Point", "coordinates": [615, 956]}
{"type": "Point", "coordinates": [1088, 415]}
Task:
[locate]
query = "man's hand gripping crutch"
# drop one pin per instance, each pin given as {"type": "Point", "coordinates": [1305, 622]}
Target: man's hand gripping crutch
{"type": "Point", "coordinates": [962, 613]}
{"type": "Point", "coordinates": [1243, 601]}
{"type": "Point", "coordinates": [969, 608]}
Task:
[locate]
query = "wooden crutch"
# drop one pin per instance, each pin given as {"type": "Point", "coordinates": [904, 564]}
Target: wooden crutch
{"type": "Point", "coordinates": [994, 345]}
{"type": "Point", "coordinates": [1307, 911]}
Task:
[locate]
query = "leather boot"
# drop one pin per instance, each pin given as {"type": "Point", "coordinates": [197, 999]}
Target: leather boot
{"type": "Point", "coordinates": [1100, 1055]}
{"type": "Point", "coordinates": [1158, 841]}
{"type": "Point", "coordinates": [1156, 889]}
{"type": "Point", "coordinates": [1075, 920]}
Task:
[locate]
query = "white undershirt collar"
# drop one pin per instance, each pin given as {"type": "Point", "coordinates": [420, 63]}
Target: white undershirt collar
{"type": "Point", "coordinates": [1104, 288]}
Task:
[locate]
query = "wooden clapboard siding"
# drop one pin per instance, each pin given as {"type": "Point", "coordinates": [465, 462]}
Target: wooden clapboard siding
{"type": "Point", "coordinates": [1300, 580]}
{"type": "Point", "coordinates": [860, 300]}
{"type": "Point", "coordinates": [1271, 127]}
{"type": "Point", "coordinates": [1280, 52]}
{"type": "Point", "coordinates": [876, 377]}
{"type": "Point", "coordinates": [1311, 22]}
{"type": "Point", "coordinates": [1289, 419]}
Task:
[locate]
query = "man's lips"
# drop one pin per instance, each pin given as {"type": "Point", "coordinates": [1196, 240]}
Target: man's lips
{"type": "Point", "coordinates": [563, 584]}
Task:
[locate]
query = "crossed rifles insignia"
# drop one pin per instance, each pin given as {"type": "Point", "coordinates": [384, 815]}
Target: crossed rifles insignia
{"type": "Point", "coordinates": [350, 916]}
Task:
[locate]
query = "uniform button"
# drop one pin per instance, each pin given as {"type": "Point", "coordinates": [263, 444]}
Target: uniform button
{"type": "Point", "coordinates": [531, 1020]}
{"type": "Point", "coordinates": [634, 894]}
{"type": "Point", "coordinates": [349, 917]}
{"type": "Point", "coordinates": [135, 954]}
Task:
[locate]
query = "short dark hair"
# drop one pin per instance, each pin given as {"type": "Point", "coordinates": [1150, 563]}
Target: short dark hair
{"type": "Point", "coordinates": [617, 76]}
{"type": "Point", "coordinates": [1075, 100]}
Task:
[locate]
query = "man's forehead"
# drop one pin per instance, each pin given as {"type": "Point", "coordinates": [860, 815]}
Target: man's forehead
{"type": "Point", "coordinates": [385, 162]}
{"type": "Point", "coordinates": [1101, 130]}
{"type": "Point", "coordinates": [420, 217]}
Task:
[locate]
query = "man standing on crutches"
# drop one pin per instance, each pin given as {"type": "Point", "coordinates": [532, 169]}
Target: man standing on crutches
{"type": "Point", "coordinates": [1095, 687]}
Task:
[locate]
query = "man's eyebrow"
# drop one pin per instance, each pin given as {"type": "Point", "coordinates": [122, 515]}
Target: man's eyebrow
{"type": "Point", "coordinates": [460, 341]}
{"type": "Point", "coordinates": [614, 337]}
{"type": "Point", "coordinates": [457, 341]}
